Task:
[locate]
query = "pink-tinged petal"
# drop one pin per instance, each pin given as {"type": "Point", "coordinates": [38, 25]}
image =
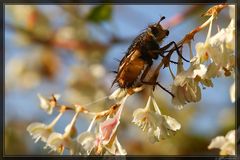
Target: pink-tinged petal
{"type": "Point", "coordinates": [109, 126]}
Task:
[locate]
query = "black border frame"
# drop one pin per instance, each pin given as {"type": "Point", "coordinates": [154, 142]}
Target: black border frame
{"type": "Point", "coordinates": [42, 2]}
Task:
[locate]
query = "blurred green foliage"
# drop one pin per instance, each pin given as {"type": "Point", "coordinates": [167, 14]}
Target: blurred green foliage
{"type": "Point", "coordinates": [100, 13]}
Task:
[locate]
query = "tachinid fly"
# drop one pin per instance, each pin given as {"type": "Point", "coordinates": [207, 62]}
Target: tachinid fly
{"type": "Point", "coordinates": [138, 60]}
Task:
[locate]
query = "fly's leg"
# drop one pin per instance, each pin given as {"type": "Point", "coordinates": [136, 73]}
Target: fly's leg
{"type": "Point", "coordinates": [157, 83]}
{"type": "Point", "coordinates": [177, 50]}
{"type": "Point", "coordinates": [163, 50]}
{"type": "Point", "coordinates": [153, 80]}
{"type": "Point", "coordinates": [165, 89]}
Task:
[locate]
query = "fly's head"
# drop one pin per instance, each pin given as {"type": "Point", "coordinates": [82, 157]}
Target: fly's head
{"type": "Point", "coordinates": [157, 31]}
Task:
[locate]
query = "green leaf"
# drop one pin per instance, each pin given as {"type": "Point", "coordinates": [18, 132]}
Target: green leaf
{"type": "Point", "coordinates": [100, 13]}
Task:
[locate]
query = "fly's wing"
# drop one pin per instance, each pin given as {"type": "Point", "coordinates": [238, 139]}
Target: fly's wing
{"type": "Point", "coordinates": [126, 59]}
{"type": "Point", "coordinates": [123, 63]}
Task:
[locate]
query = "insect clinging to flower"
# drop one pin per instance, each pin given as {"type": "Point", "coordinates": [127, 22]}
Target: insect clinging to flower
{"type": "Point", "coordinates": [138, 60]}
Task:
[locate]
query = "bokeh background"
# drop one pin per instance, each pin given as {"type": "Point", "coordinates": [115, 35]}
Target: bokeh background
{"type": "Point", "coordinates": [71, 50]}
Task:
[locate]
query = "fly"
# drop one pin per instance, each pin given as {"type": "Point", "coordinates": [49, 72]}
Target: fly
{"type": "Point", "coordinates": [138, 60]}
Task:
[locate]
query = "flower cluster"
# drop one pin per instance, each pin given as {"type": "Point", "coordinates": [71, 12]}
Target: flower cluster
{"type": "Point", "coordinates": [214, 58]}
{"type": "Point", "coordinates": [156, 125]}
{"type": "Point", "coordinates": [100, 142]}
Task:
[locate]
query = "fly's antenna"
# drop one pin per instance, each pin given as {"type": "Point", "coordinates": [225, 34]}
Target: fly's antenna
{"type": "Point", "coordinates": [161, 19]}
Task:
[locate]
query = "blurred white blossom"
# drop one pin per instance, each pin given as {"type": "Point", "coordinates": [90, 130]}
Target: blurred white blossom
{"type": "Point", "coordinates": [118, 94]}
{"type": "Point", "coordinates": [232, 92]}
{"type": "Point", "coordinates": [225, 144]}
{"type": "Point", "coordinates": [21, 13]}
{"type": "Point", "coordinates": [27, 78]}
{"type": "Point", "coordinates": [115, 148]}
{"type": "Point", "coordinates": [231, 11]}
{"type": "Point", "coordinates": [88, 141]}
{"type": "Point", "coordinates": [58, 142]}
{"type": "Point", "coordinates": [97, 70]}
{"type": "Point", "coordinates": [32, 19]}
{"type": "Point", "coordinates": [65, 33]}
{"type": "Point", "coordinates": [76, 148]}
{"type": "Point", "coordinates": [39, 131]}
{"type": "Point", "coordinates": [232, 89]}
{"type": "Point", "coordinates": [42, 131]}
{"type": "Point", "coordinates": [48, 104]}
